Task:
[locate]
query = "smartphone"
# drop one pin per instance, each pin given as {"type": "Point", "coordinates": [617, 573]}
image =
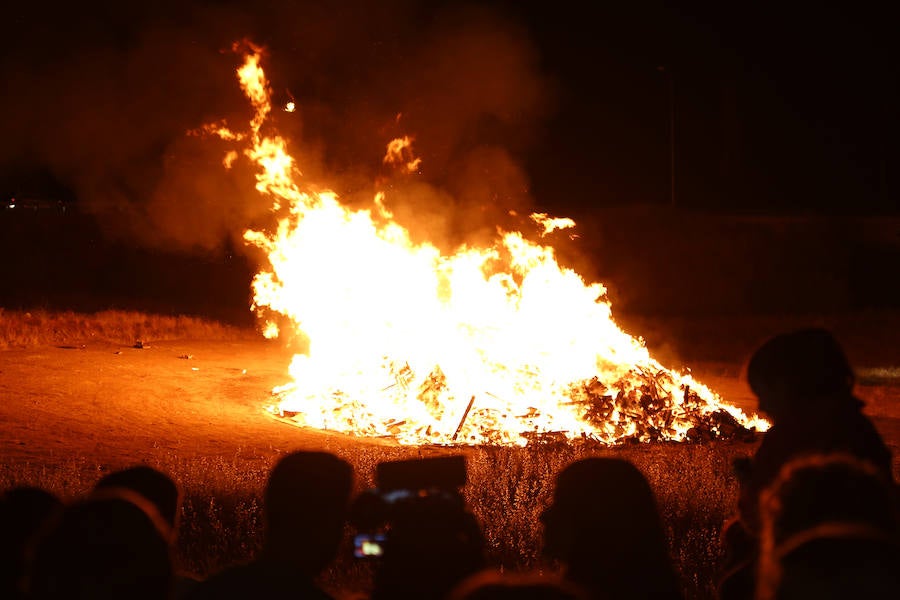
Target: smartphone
{"type": "Point", "coordinates": [368, 545]}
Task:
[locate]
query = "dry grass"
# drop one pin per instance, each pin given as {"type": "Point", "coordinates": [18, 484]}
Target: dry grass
{"type": "Point", "coordinates": [508, 488]}
{"type": "Point", "coordinates": [19, 329]}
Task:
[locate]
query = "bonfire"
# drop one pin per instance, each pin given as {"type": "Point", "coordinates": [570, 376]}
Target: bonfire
{"type": "Point", "coordinates": [485, 345]}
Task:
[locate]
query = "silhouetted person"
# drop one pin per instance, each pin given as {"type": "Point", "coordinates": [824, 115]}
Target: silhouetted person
{"type": "Point", "coordinates": [111, 545]}
{"type": "Point", "coordinates": [23, 511]}
{"type": "Point", "coordinates": [162, 491]}
{"type": "Point", "coordinates": [304, 509]}
{"type": "Point", "coordinates": [827, 488]}
{"type": "Point", "coordinates": [494, 585]}
{"type": "Point", "coordinates": [829, 530]}
{"type": "Point", "coordinates": [433, 543]}
{"type": "Point", "coordinates": [152, 484]}
{"type": "Point", "coordinates": [604, 527]}
{"type": "Point", "coordinates": [804, 383]}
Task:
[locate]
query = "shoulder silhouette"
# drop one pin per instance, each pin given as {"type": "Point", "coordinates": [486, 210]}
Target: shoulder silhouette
{"type": "Point", "coordinates": [23, 512]}
{"type": "Point", "coordinates": [494, 585]}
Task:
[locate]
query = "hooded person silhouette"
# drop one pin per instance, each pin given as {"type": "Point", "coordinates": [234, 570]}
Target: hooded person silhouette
{"type": "Point", "coordinates": [804, 382]}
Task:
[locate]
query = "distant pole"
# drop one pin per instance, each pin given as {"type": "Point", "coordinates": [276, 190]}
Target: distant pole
{"type": "Point", "coordinates": [671, 138]}
{"type": "Point", "coordinates": [670, 83]}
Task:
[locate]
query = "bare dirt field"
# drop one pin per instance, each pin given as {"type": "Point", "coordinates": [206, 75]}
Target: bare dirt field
{"type": "Point", "coordinates": [115, 404]}
{"type": "Point", "coordinates": [118, 404]}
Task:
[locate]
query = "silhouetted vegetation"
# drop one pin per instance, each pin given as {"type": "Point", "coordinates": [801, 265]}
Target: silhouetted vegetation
{"type": "Point", "coordinates": [26, 329]}
{"type": "Point", "coordinates": [507, 490]}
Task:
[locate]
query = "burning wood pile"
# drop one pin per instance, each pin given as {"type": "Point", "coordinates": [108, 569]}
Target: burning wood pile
{"type": "Point", "coordinates": [650, 413]}
{"type": "Point", "coordinates": [623, 413]}
{"type": "Point", "coordinates": [482, 345]}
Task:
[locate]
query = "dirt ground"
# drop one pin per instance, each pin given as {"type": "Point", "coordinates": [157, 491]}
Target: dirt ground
{"type": "Point", "coordinates": [117, 405]}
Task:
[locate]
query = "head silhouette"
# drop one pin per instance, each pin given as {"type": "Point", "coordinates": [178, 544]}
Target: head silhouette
{"type": "Point", "coordinates": [110, 545]}
{"type": "Point", "coordinates": [434, 543]}
{"type": "Point", "coordinates": [827, 488]}
{"type": "Point", "coordinates": [305, 508]}
{"type": "Point", "coordinates": [23, 511]}
{"type": "Point", "coordinates": [604, 527]}
{"type": "Point", "coordinates": [829, 530]}
{"type": "Point", "coordinates": [800, 370]}
{"type": "Point", "coordinates": [152, 484]}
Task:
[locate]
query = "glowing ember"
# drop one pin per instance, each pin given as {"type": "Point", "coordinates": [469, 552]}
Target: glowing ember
{"type": "Point", "coordinates": [551, 224]}
{"type": "Point", "coordinates": [495, 345]}
{"type": "Point", "coordinates": [399, 152]}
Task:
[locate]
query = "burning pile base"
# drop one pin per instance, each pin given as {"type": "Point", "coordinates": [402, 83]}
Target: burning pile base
{"type": "Point", "coordinates": [656, 410]}
{"type": "Point", "coordinates": [649, 414]}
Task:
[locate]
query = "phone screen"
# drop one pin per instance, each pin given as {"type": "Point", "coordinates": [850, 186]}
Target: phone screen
{"type": "Point", "coordinates": [367, 545]}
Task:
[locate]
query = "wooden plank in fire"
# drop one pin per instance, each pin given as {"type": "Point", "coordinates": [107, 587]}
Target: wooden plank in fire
{"type": "Point", "coordinates": [463, 420]}
{"type": "Point", "coordinates": [394, 426]}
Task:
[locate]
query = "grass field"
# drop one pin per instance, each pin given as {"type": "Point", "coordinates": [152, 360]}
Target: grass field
{"type": "Point", "coordinates": [27, 329]}
{"type": "Point", "coordinates": [507, 490]}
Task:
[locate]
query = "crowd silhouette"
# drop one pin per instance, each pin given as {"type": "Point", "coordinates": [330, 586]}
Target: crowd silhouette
{"type": "Point", "coordinates": [816, 517]}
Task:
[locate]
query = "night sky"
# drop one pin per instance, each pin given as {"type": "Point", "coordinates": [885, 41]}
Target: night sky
{"type": "Point", "coordinates": [779, 106]}
{"type": "Point", "coordinates": [557, 106]}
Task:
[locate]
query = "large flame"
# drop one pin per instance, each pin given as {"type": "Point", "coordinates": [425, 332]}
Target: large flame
{"type": "Point", "coordinates": [486, 345]}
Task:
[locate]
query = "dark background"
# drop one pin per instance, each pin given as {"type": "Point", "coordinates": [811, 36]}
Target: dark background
{"type": "Point", "coordinates": [779, 107]}
{"type": "Point", "coordinates": [785, 195]}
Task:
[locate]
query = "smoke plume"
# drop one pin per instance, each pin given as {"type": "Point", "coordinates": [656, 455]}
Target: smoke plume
{"type": "Point", "coordinates": [104, 97]}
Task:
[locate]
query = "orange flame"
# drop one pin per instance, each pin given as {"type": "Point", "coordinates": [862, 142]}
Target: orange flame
{"type": "Point", "coordinates": [399, 152]}
{"type": "Point", "coordinates": [486, 345]}
{"type": "Point", "coordinates": [551, 224]}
